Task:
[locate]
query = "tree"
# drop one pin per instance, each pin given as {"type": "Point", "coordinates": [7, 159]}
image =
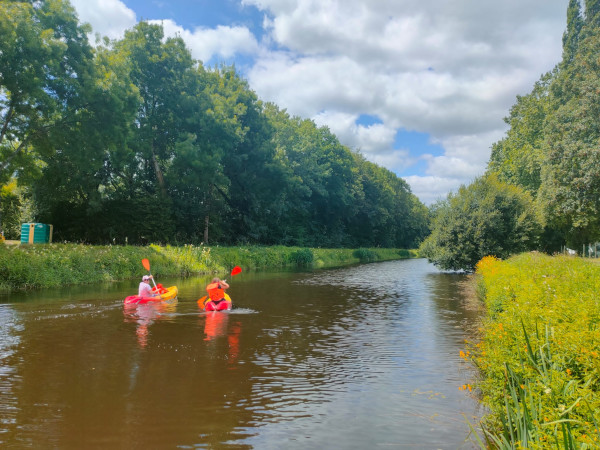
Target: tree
{"type": "Point", "coordinates": [517, 158]}
{"type": "Point", "coordinates": [10, 202]}
{"type": "Point", "coordinates": [159, 70]}
{"type": "Point", "coordinates": [488, 217]}
{"type": "Point", "coordinates": [45, 60]}
{"type": "Point", "coordinates": [570, 189]}
{"type": "Point", "coordinates": [572, 34]}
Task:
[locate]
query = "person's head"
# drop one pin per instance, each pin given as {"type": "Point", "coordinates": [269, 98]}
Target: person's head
{"type": "Point", "coordinates": [215, 280]}
{"type": "Point", "coordinates": [146, 278]}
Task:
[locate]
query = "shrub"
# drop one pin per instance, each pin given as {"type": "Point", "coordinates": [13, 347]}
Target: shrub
{"type": "Point", "coordinates": [365, 255]}
{"type": "Point", "coordinates": [488, 217]}
{"type": "Point", "coordinates": [303, 257]}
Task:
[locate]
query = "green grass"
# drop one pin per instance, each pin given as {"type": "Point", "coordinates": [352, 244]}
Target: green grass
{"type": "Point", "coordinates": [52, 265]}
{"type": "Point", "coordinates": [539, 353]}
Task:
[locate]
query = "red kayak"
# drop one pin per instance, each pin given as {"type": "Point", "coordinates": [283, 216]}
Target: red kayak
{"type": "Point", "coordinates": [208, 305]}
{"type": "Point", "coordinates": [165, 294]}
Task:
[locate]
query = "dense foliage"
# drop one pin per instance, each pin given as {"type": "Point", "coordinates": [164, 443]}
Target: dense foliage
{"type": "Point", "coordinates": [539, 352]}
{"type": "Point", "coordinates": [552, 148]}
{"type": "Point", "coordinates": [487, 217]}
{"type": "Point", "coordinates": [135, 141]}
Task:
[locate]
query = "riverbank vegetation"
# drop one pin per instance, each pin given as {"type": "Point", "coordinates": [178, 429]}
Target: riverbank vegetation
{"type": "Point", "coordinates": [539, 353]}
{"type": "Point", "coordinates": [550, 154]}
{"type": "Point", "coordinates": [43, 265]}
{"type": "Point", "coordinates": [134, 142]}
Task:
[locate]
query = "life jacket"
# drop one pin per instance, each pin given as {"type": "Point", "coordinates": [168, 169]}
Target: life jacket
{"type": "Point", "coordinates": [159, 289]}
{"type": "Point", "coordinates": [215, 291]}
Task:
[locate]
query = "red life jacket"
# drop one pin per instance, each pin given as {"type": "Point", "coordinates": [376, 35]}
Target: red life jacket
{"type": "Point", "coordinates": [215, 291]}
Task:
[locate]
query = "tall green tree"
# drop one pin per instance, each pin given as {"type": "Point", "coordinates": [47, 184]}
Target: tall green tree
{"type": "Point", "coordinates": [572, 34]}
{"type": "Point", "coordinates": [551, 148]}
{"type": "Point", "coordinates": [159, 69]}
{"type": "Point", "coordinates": [127, 194]}
{"type": "Point", "coordinates": [254, 176]}
{"type": "Point", "coordinates": [518, 157]}
{"type": "Point", "coordinates": [570, 192]}
{"type": "Point", "coordinates": [45, 63]}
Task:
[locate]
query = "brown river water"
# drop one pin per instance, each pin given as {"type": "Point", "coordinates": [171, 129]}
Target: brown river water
{"type": "Point", "coordinates": [359, 357]}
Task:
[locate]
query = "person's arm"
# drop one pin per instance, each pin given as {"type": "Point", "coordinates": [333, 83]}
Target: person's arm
{"type": "Point", "coordinates": [224, 284]}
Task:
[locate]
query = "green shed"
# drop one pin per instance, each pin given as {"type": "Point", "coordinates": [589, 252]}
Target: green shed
{"type": "Point", "coordinates": [36, 233]}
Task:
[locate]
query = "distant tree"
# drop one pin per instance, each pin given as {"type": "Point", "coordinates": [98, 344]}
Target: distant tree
{"type": "Point", "coordinates": [488, 217]}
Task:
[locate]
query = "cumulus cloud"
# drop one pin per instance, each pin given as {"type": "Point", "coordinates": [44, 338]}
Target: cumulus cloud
{"type": "Point", "coordinates": [112, 17]}
{"type": "Point", "coordinates": [430, 189]}
{"type": "Point", "coordinates": [206, 43]}
{"type": "Point", "coordinates": [370, 139]}
{"type": "Point", "coordinates": [109, 18]}
{"type": "Point", "coordinates": [449, 70]}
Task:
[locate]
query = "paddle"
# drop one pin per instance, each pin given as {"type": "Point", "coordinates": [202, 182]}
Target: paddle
{"type": "Point", "coordinates": [146, 264]}
{"type": "Point", "coordinates": [234, 271]}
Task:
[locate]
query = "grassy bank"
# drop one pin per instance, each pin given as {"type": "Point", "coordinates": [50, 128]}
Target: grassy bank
{"type": "Point", "coordinates": [539, 353]}
{"type": "Point", "coordinates": [37, 266]}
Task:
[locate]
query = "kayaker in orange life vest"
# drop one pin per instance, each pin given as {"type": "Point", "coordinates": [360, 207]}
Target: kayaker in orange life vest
{"type": "Point", "coordinates": [216, 291]}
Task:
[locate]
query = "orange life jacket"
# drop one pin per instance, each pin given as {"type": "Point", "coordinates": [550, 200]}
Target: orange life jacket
{"type": "Point", "coordinates": [215, 291]}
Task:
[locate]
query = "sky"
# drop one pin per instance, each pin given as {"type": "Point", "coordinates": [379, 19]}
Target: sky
{"type": "Point", "coordinates": [420, 87]}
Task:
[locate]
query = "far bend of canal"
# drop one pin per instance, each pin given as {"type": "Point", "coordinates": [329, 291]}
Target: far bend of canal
{"type": "Point", "coordinates": [353, 358]}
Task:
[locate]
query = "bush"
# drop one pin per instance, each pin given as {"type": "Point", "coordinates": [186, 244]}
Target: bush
{"type": "Point", "coordinates": [302, 258]}
{"type": "Point", "coordinates": [486, 218]}
{"type": "Point", "coordinates": [365, 255]}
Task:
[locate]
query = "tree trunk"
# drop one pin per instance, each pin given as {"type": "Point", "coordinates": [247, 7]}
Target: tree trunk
{"type": "Point", "coordinates": [206, 221]}
{"type": "Point", "coordinates": [158, 172]}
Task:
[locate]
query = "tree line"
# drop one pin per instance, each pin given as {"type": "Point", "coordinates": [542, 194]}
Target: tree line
{"type": "Point", "coordinates": [541, 189]}
{"type": "Point", "coordinates": [132, 140]}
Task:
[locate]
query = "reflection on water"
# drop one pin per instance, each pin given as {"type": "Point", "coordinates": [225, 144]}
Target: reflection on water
{"type": "Point", "coordinates": [347, 358]}
{"type": "Point", "coordinates": [144, 314]}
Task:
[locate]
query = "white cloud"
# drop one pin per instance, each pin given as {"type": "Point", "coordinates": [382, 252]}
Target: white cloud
{"type": "Point", "coordinates": [449, 70]}
{"type": "Point", "coordinates": [371, 138]}
{"type": "Point", "coordinates": [430, 189]}
{"type": "Point", "coordinates": [205, 43]}
{"type": "Point", "coordinates": [109, 18]}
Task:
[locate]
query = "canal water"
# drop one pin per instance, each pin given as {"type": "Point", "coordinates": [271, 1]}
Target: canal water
{"type": "Point", "coordinates": [352, 358]}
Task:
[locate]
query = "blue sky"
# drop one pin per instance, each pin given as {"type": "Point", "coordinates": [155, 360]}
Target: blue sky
{"type": "Point", "coordinates": [420, 87]}
{"type": "Point", "coordinates": [199, 13]}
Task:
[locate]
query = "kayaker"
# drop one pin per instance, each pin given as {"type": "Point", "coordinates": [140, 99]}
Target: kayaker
{"type": "Point", "coordinates": [216, 291]}
{"type": "Point", "coordinates": [145, 290]}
